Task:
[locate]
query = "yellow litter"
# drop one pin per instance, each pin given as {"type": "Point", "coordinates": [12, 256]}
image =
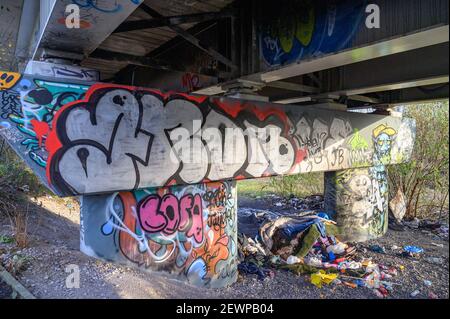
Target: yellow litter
{"type": "Point", "coordinates": [322, 277]}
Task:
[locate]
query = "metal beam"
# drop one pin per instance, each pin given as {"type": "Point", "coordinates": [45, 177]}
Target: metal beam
{"type": "Point", "coordinates": [293, 87]}
{"type": "Point", "coordinates": [365, 99]}
{"type": "Point", "coordinates": [416, 59]}
{"type": "Point", "coordinates": [132, 59]}
{"type": "Point", "coordinates": [171, 45]}
{"type": "Point", "coordinates": [172, 21]}
{"type": "Point", "coordinates": [431, 61]}
{"type": "Point", "coordinates": [356, 94]}
{"type": "Point", "coordinates": [145, 61]}
{"type": "Point", "coordinates": [418, 94]}
{"type": "Point", "coordinates": [191, 39]}
{"type": "Point", "coordinates": [220, 88]}
{"type": "Point", "coordinates": [401, 44]}
{"type": "Point", "coordinates": [294, 100]}
{"type": "Point", "coordinates": [394, 86]}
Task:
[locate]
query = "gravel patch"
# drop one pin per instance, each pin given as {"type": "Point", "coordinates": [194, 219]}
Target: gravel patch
{"type": "Point", "coordinates": [53, 249]}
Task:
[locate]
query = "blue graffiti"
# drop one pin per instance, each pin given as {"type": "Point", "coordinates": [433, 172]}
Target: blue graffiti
{"type": "Point", "coordinates": [197, 273]}
{"type": "Point", "coordinates": [37, 102]}
{"type": "Point", "coordinates": [322, 30]}
{"type": "Point", "coordinates": [93, 4]}
{"type": "Point", "coordinates": [108, 227]}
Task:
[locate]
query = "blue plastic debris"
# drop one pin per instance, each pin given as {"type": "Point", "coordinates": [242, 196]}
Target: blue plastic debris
{"type": "Point", "coordinates": [331, 256]}
{"type": "Point", "coordinates": [323, 215]}
{"type": "Point", "coordinates": [413, 249]}
{"type": "Point", "coordinates": [377, 249]}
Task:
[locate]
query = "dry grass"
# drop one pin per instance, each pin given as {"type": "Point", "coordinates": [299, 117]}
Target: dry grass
{"type": "Point", "coordinates": [14, 177]}
{"type": "Point", "coordinates": [19, 221]}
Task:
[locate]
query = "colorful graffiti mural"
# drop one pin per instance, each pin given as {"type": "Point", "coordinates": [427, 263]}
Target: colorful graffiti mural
{"type": "Point", "coordinates": [316, 28]}
{"type": "Point", "coordinates": [186, 230]}
{"type": "Point", "coordinates": [106, 138]}
{"type": "Point", "coordinates": [31, 106]}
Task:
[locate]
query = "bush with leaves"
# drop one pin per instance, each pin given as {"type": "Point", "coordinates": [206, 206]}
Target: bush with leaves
{"type": "Point", "coordinates": [424, 179]}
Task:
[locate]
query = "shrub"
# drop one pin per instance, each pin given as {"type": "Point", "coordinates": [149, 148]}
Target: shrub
{"type": "Point", "coordinates": [15, 180]}
{"type": "Point", "coordinates": [424, 180]}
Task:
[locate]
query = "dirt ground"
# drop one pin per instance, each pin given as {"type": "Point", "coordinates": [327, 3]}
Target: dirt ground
{"type": "Point", "coordinates": [5, 290]}
{"type": "Point", "coordinates": [54, 241]}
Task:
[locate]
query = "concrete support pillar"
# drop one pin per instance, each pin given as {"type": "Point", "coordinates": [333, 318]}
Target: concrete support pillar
{"type": "Point", "coordinates": [190, 231]}
{"type": "Point", "coordinates": [357, 199]}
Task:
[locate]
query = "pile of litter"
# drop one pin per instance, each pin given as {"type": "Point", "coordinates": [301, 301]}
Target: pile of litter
{"type": "Point", "coordinates": [308, 244]}
{"type": "Point", "coordinates": [437, 228]}
{"type": "Point", "coordinates": [313, 202]}
{"type": "Point", "coordinates": [253, 258]}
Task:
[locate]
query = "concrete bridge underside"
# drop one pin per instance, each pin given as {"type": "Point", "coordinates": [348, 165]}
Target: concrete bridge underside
{"type": "Point", "coordinates": [157, 170]}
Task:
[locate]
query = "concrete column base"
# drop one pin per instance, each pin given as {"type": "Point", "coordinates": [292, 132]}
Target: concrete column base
{"type": "Point", "coordinates": [189, 231]}
{"type": "Point", "coordinates": [357, 199]}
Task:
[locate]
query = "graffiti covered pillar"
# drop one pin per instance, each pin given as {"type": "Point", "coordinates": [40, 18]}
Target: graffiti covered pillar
{"type": "Point", "coordinates": [358, 198]}
{"type": "Point", "coordinates": [190, 231]}
{"type": "Point", "coordinates": [358, 201]}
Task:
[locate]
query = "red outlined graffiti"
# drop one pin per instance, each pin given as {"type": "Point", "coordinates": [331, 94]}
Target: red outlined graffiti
{"type": "Point", "coordinates": [75, 156]}
{"type": "Point", "coordinates": [190, 82]}
{"type": "Point", "coordinates": [108, 138]}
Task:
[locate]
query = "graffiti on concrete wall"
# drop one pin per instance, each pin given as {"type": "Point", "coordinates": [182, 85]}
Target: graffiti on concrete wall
{"type": "Point", "coordinates": [190, 82]}
{"type": "Point", "coordinates": [316, 28]}
{"type": "Point", "coordinates": [102, 5]}
{"type": "Point", "coordinates": [148, 139]}
{"type": "Point", "coordinates": [31, 105]}
{"type": "Point", "coordinates": [361, 195]}
{"type": "Point", "coordinates": [8, 80]}
{"type": "Point", "coordinates": [59, 71]}
{"type": "Point", "coordinates": [107, 138]}
{"type": "Point", "coordinates": [361, 203]}
{"type": "Point", "coordinates": [403, 143]}
{"type": "Point", "coordinates": [181, 82]}
{"type": "Point", "coordinates": [186, 230]}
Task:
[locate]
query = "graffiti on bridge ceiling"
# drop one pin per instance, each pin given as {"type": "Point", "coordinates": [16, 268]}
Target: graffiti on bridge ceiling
{"type": "Point", "coordinates": [308, 29]}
